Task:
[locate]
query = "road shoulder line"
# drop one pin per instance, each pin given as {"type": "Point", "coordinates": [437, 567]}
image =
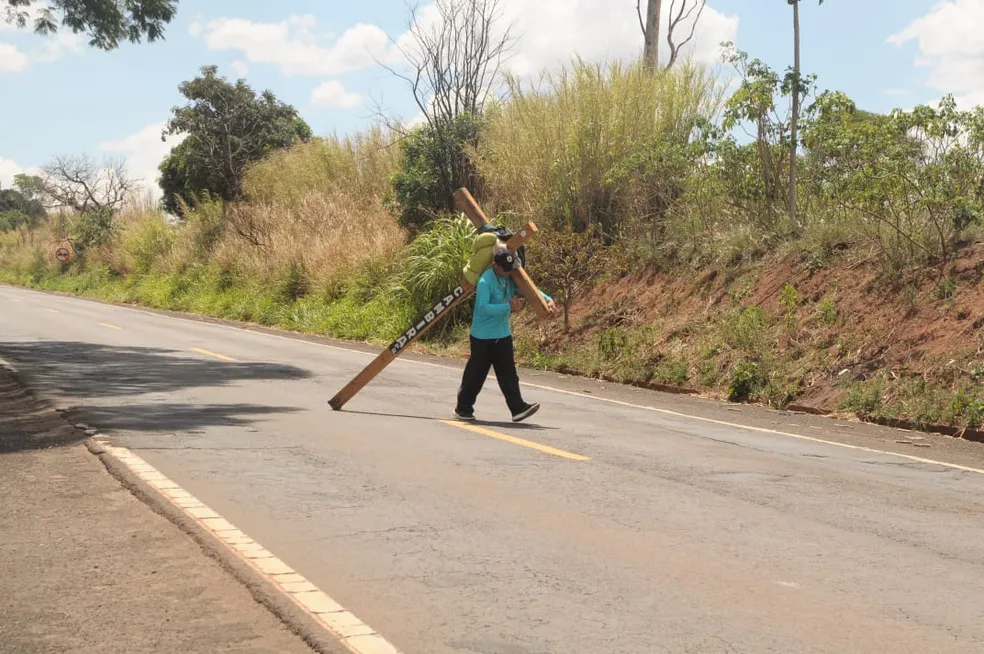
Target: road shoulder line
{"type": "Point", "coordinates": [309, 612]}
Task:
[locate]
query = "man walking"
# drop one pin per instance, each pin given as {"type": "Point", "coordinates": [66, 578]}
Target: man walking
{"type": "Point", "coordinates": [491, 339]}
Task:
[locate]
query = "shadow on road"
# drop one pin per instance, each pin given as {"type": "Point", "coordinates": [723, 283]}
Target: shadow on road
{"type": "Point", "coordinates": [89, 370]}
{"type": "Point", "coordinates": [88, 376]}
{"type": "Point", "coordinates": [26, 423]}
{"type": "Point", "coordinates": [532, 426]}
{"type": "Point", "coordinates": [171, 417]}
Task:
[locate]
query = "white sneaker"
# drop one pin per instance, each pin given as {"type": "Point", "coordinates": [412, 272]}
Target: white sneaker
{"type": "Point", "coordinates": [467, 417]}
{"type": "Point", "coordinates": [526, 413]}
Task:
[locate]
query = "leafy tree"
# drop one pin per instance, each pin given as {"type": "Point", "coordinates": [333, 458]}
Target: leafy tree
{"type": "Point", "coordinates": [92, 229]}
{"type": "Point", "coordinates": [571, 261]}
{"type": "Point", "coordinates": [20, 204]}
{"type": "Point", "coordinates": [227, 127]}
{"type": "Point", "coordinates": [453, 63]}
{"type": "Point", "coordinates": [912, 179]}
{"type": "Point", "coordinates": [756, 102]}
{"type": "Point", "coordinates": [12, 219]}
{"type": "Point", "coordinates": [105, 22]}
{"type": "Point", "coordinates": [434, 165]}
{"type": "Point", "coordinates": [184, 177]}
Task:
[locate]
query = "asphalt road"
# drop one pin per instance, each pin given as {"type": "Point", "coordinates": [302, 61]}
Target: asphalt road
{"type": "Point", "coordinates": [658, 523]}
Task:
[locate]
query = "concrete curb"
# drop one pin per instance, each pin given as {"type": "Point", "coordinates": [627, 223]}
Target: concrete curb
{"type": "Point", "coordinates": [262, 590]}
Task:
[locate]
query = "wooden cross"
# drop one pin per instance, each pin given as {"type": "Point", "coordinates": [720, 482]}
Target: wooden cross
{"type": "Point", "coordinates": [443, 307]}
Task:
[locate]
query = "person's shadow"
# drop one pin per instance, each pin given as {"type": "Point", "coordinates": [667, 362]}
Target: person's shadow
{"type": "Point", "coordinates": [531, 426]}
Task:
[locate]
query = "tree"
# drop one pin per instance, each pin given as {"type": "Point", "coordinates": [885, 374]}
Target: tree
{"type": "Point", "coordinates": [455, 59]}
{"type": "Point", "coordinates": [650, 32]}
{"type": "Point", "coordinates": [418, 186]}
{"type": "Point", "coordinates": [82, 186]}
{"type": "Point", "coordinates": [227, 127]}
{"type": "Point", "coordinates": [106, 22]}
{"type": "Point", "coordinates": [184, 177]}
{"type": "Point", "coordinates": [680, 12]}
{"type": "Point", "coordinates": [910, 180]}
{"type": "Point", "coordinates": [794, 121]}
{"type": "Point", "coordinates": [452, 62]}
{"type": "Point", "coordinates": [571, 261]}
{"type": "Point", "coordinates": [21, 200]}
{"type": "Point", "coordinates": [755, 101]}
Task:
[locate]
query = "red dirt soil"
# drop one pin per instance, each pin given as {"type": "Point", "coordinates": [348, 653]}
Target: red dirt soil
{"type": "Point", "coordinates": [902, 328]}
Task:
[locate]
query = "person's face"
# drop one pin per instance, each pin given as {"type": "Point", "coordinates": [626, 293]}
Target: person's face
{"type": "Point", "coordinates": [499, 271]}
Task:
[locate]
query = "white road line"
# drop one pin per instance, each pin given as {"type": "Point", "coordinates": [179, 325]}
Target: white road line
{"type": "Point", "coordinates": [765, 430]}
{"type": "Point", "coordinates": [774, 432]}
{"type": "Point", "coordinates": [357, 636]}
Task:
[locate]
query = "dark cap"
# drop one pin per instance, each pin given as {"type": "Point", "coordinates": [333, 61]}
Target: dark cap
{"type": "Point", "coordinates": [505, 260]}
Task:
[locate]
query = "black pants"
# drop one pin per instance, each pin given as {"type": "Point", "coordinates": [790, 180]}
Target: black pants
{"type": "Point", "coordinates": [497, 354]}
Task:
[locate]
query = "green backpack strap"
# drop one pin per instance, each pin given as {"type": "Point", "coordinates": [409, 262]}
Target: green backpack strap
{"type": "Point", "coordinates": [504, 233]}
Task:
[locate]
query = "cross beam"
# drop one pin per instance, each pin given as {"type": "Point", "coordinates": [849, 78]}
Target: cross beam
{"type": "Point", "coordinates": [466, 203]}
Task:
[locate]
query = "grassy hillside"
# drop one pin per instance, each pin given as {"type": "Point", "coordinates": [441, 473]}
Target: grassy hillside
{"type": "Point", "coordinates": [667, 238]}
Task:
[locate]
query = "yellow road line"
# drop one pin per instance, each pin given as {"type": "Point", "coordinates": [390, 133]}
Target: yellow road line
{"type": "Point", "coordinates": [212, 354]}
{"type": "Point", "coordinates": [108, 326]}
{"type": "Point", "coordinates": [517, 441]}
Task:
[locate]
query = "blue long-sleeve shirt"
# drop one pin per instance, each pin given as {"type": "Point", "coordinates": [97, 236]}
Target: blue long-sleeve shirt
{"type": "Point", "coordinates": [490, 319]}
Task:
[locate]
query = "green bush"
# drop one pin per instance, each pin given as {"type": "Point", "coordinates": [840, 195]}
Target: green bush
{"type": "Point", "coordinates": [147, 241]}
{"type": "Point", "coordinates": [434, 166]}
{"type": "Point", "coordinates": [93, 229]}
{"type": "Point", "coordinates": [827, 311]}
{"type": "Point", "coordinates": [747, 381]}
{"type": "Point", "coordinates": [432, 267]}
{"type": "Point", "coordinates": [746, 331]}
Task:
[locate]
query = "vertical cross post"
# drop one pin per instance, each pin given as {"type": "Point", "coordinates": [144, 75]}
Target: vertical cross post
{"type": "Point", "coordinates": [466, 203]}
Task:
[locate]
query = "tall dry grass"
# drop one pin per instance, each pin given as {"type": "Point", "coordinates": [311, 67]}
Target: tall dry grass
{"type": "Point", "coordinates": [319, 210]}
{"type": "Point", "coordinates": [592, 144]}
{"type": "Point", "coordinates": [359, 166]}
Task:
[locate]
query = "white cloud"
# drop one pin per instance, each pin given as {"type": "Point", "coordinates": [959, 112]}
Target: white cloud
{"type": "Point", "coordinates": [550, 33]}
{"type": "Point", "coordinates": [240, 67]}
{"type": "Point", "coordinates": [333, 94]}
{"type": "Point", "coordinates": [144, 151]}
{"type": "Point", "coordinates": [50, 48]}
{"type": "Point", "coordinates": [293, 46]}
{"type": "Point", "coordinates": [8, 169]}
{"type": "Point", "coordinates": [12, 60]}
{"type": "Point", "coordinates": [418, 120]}
{"type": "Point", "coordinates": [950, 47]}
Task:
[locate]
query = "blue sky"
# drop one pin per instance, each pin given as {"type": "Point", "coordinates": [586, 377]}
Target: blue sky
{"type": "Point", "coordinates": [62, 97]}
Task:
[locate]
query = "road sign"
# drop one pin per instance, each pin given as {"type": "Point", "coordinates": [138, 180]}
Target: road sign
{"type": "Point", "coordinates": [62, 254]}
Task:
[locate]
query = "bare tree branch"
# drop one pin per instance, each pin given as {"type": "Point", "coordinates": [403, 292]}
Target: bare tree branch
{"type": "Point", "coordinates": [78, 184]}
{"type": "Point", "coordinates": [453, 54]}
{"type": "Point", "coordinates": [683, 13]}
{"type": "Point", "coordinates": [454, 60]}
{"type": "Point", "coordinates": [680, 12]}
